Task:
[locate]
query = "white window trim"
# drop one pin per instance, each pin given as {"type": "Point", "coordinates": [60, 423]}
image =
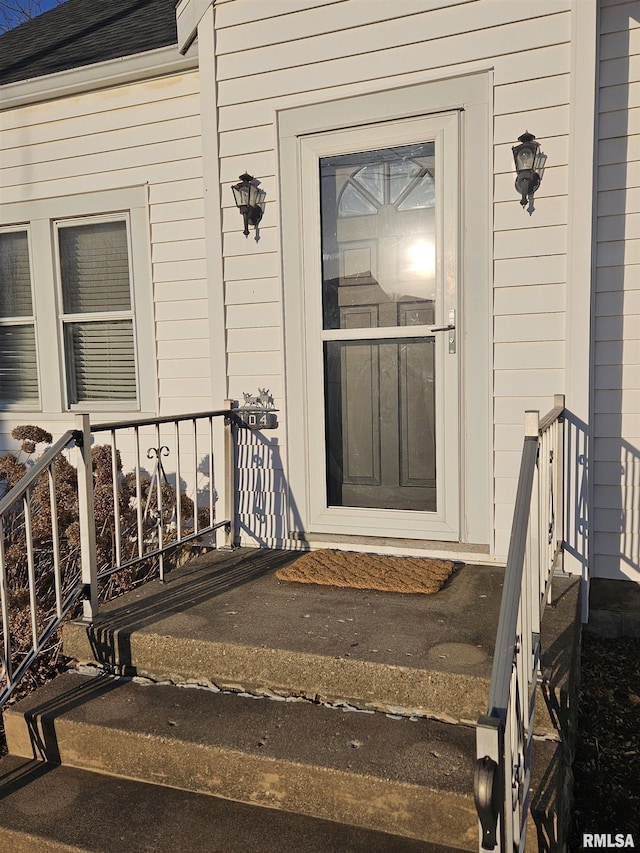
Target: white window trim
{"type": "Point", "coordinates": [40, 216]}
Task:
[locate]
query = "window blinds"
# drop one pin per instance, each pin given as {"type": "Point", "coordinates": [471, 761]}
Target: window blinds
{"type": "Point", "coordinates": [94, 265]}
{"type": "Point", "coordinates": [99, 351]}
{"type": "Point", "coordinates": [18, 366]}
{"type": "Point", "coordinates": [100, 361]}
{"type": "Point", "coordinates": [18, 363]}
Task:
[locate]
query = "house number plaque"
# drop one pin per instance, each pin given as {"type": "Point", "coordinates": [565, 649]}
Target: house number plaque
{"type": "Point", "coordinates": [258, 420]}
{"type": "Point", "coordinates": [258, 411]}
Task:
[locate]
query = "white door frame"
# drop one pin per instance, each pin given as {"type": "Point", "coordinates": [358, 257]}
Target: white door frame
{"type": "Point", "coordinates": [469, 96]}
{"type": "Point", "coordinates": [444, 522]}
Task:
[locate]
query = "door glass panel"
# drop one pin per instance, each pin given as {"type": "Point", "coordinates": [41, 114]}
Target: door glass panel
{"type": "Point", "coordinates": [380, 423]}
{"type": "Point", "coordinates": [401, 173]}
{"type": "Point", "coordinates": [378, 234]}
{"type": "Point", "coordinates": [353, 202]}
{"type": "Point", "coordinates": [378, 264]}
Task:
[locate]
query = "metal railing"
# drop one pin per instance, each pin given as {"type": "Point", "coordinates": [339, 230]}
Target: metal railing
{"type": "Point", "coordinates": [85, 510]}
{"type": "Point", "coordinates": [504, 735]}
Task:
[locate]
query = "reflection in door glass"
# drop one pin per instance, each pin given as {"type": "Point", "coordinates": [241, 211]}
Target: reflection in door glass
{"type": "Point", "coordinates": [378, 236]}
{"type": "Point", "coordinates": [380, 423]}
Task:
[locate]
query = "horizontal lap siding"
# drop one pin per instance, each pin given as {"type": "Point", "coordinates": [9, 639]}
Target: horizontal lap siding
{"type": "Point", "coordinates": [529, 270]}
{"type": "Point", "coordinates": [309, 52]}
{"type": "Point", "coordinates": [144, 133]}
{"type": "Point", "coordinates": [616, 446]}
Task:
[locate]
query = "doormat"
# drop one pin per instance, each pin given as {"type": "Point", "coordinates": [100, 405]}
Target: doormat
{"type": "Point", "coordinates": [368, 571]}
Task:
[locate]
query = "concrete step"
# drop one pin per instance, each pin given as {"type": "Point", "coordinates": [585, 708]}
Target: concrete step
{"type": "Point", "coordinates": [225, 620]}
{"type": "Point", "coordinates": [411, 778]}
{"type": "Point", "coordinates": [50, 809]}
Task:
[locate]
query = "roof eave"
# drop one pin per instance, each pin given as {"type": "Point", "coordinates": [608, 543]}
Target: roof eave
{"type": "Point", "coordinates": [99, 75]}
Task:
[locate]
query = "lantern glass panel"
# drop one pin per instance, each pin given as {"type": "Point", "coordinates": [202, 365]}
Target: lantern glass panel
{"type": "Point", "coordinates": [524, 158]}
{"type": "Point", "coordinates": [241, 194]}
{"type": "Point", "coordinates": [253, 195]}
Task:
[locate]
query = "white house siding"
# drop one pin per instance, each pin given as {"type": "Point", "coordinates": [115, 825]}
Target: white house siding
{"type": "Point", "coordinates": [287, 53]}
{"type": "Point", "coordinates": [141, 134]}
{"type": "Point", "coordinates": [616, 397]}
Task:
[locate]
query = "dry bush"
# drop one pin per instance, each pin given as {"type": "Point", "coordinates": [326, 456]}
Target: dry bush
{"type": "Point", "coordinates": [12, 467]}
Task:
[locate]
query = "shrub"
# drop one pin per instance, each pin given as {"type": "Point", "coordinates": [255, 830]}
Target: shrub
{"type": "Point", "coordinates": [13, 466]}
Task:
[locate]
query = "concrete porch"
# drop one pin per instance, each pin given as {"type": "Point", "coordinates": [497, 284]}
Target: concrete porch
{"type": "Point", "coordinates": [225, 620]}
{"type": "Point", "coordinates": [398, 777]}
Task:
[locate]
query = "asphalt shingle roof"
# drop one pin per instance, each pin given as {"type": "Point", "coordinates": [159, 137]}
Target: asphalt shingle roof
{"type": "Point", "coordinates": [81, 32]}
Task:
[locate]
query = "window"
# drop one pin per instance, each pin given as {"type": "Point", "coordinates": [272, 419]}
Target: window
{"type": "Point", "coordinates": [18, 362]}
{"type": "Point", "coordinates": [76, 304]}
{"type": "Point", "coordinates": [97, 316]}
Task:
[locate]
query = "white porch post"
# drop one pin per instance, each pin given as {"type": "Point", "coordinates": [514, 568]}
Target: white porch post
{"type": "Point", "coordinates": [87, 520]}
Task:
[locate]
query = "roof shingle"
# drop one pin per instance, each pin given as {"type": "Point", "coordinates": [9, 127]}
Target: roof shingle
{"type": "Point", "coordinates": [81, 32]}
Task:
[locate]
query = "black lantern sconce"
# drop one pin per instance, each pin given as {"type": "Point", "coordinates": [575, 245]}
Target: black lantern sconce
{"type": "Point", "coordinates": [249, 198]}
{"type": "Point", "coordinates": [530, 162]}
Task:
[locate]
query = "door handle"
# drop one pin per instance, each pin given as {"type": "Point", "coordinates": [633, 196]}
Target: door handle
{"type": "Point", "coordinates": [451, 328]}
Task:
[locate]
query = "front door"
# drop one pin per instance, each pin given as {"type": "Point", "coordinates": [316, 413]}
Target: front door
{"type": "Point", "coordinates": [382, 365]}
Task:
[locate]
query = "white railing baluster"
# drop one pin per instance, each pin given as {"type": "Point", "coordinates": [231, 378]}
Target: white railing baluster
{"type": "Point", "coordinates": [31, 568]}
{"type": "Point", "coordinates": [116, 498]}
{"type": "Point", "coordinates": [87, 519]}
{"type": "Point", "coordinates": [178, 486]}
{"type": "Point", "coordinates": [511, 750]}
{"type": "Point", "coordinates": [536, 552]}
{"type": "Point", "coordinates": [541, 496]}
{"type": "Point", "coordinates": [159, 499]}
{"type": "Point", "coordinates": [229, 477]}
{"type": "Point", "coordinates": [211, 490]}
{"type": "Point", "coordinates": [195, 476]}
{"type": "Point", "coordinates": [4, 605]}
{"type": "Point", "coordinates": [139, 519]}
{"type": "Point", "coordinates": [559, 402]}
{"type": "Point", "coordinates": [55, 539]}
{"type": "Point", "coordinates": [535, 543]}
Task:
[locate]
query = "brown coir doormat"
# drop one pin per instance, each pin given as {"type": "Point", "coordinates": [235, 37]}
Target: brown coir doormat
{"type": "Point", "coordinates": [368, 571]}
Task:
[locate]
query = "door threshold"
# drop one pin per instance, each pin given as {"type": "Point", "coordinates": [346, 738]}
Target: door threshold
{"type": "Point", "coordinates": [458, 551]}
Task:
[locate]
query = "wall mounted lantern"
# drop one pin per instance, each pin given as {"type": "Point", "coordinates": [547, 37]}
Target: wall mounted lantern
{"type": "Point", "coordinates": [248, 197]}
{"type": "Point", "coordinates": [530, 162]}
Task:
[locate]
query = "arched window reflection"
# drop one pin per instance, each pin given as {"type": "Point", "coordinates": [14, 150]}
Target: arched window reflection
{"type": "Point", "coordinates": [403, 184]}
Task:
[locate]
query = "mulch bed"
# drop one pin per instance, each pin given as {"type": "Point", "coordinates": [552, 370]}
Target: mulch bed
{"type": "Point", "coordinates": [607, 759]}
